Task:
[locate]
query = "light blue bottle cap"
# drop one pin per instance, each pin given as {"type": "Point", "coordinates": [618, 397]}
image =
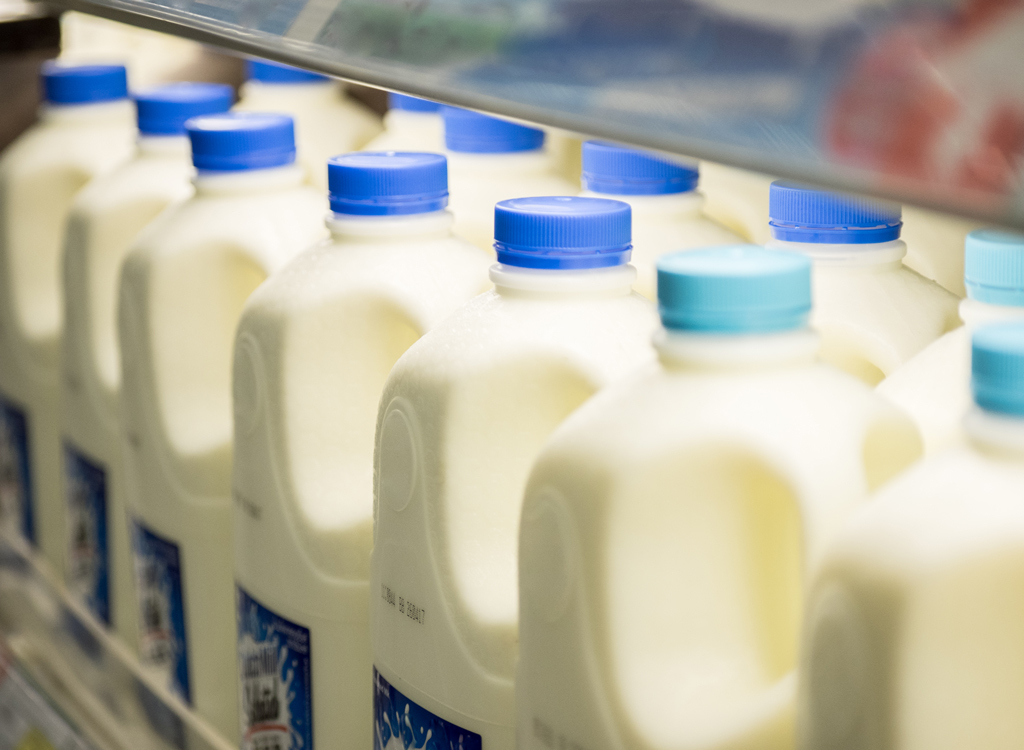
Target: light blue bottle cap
{"type": "Point", "coordinates": [562, 232]}
{"type": "Point", "coordinates": [994, 267]}
{"type": "Point", "coordinates": [473, 132]}
{"type": "Point", "coordinates": [266, 71]}
{"type": "Point", "coordinates": [387, 183]}
{"type": "Point", "coordinates": [164, 109]}
{"type": "Point", "coordinates": [411, 103]}
{"type": "Point", "coordinates": [801, 214]}
{"type": "Point", "coordinates": [616, 170]}
{"type": "Point", "coordinates": [997, 367]}
{"type": "Point", "coordinates": [84, 84]}
{"type": "Point", "coordinates": [236, 141]}
{"type": "Point", "coordinates": [734, 289]}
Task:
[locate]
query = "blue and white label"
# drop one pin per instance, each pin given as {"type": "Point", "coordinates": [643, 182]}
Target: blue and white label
{"type": "Point", "coordinates": [88, 561]}
{"type": "Point", "coordinates": [15, 475]}
{"type": "Point", "coordinates": [162, 640]}
{"type": "Point", "coordinates": [275, 679]}
{"type": "Point", "coordinates": [400, 724]}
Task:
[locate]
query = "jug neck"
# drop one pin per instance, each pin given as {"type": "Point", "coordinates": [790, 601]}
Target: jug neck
{"type": "Point", "coordinates": [974, 313]}
{"type": "Point", "coordinates": [432, 225]}
{"type": "Point", "coordinates": [86, 114]}
{"type": "Point", "coordinates": [249, 180]}
{"type": "Point", "coordinates": [513, 281]}
{"type": "Point", "coordinates": [685, 350]}
{"type": "Point", "coordinates": [1001, 435]}
{"type": "Point", "coordinates": [503, 165]}
{"type": "Point", "coordinates": [688, 204]}
{"type": "Point", "coordinates": [873, 255]}
{"type": "Point", "coordinates": [163, 146]}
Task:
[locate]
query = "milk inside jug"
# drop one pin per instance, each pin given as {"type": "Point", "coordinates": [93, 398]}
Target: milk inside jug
{"type": "Point", "coordinates": [666, 205]}
{"type": "Point", "coordinates": [410, 124]}
{"type": "Point", "coordinates": [933, 387]}
{"type": "Point", "coordinates": [86, 127]}
{"type": "Point", "coordinates": [669, 524]}
{"type": "Point", "coordinates": [104, 218]}
{"type": "Point", "coordinates": [327, 121]}
{"type": "Point", "coordinates": [314, 347]}
{"type": "Point", "coordinates": [491, 160]}
{"type": "Point", "coordinates": [913, 629]}
{"type": "Point", "coordinates": [182, 289]}
{"type": "Point", "coordinates": [462, 416]}
{"type": "Point", "coordinates": [873, 313]}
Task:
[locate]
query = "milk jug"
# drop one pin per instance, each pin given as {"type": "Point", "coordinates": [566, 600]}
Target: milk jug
{"type": "Point", "coordinates": [327, 121]}
{"type": "Point", "coordinates": [86, 127]}
{"type": "Point", "coordinates": [873, 313]}
{"type": "Point", "coordinates": [491, 160]}
{"type": "Point", "coordinates": [669, 524]}
{"type": "Point", "coordinates": [935, 246]}
{"type": "Point", "coordinates": [737, 199]}
{"type": "Point", "coordinates": [410, 124]}
{"type": "Point", "coordinates": [183, 286]}
{"type": "Point", "coordinates": [104, 218]}
{"type": "Point", "coordinates": [912, 638]}
{"type": "Point", "coordinates": [463, 414]}
{"type": "Point", "coordinates": [933, 387]}
{"type": "Point", "coordinates": [666, 205]}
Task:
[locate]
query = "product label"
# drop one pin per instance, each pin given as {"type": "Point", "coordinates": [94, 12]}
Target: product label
{"type": "Point", "coordinates": [162, 641]}
{"type": "Point", "coordinates": [275, 679]}
{"type": "Point", "coordinates": [400, 724]}
{"type": "Point", "coordinates": [15, 476]}
{"type": "Point", "coordinates": [88, 563]}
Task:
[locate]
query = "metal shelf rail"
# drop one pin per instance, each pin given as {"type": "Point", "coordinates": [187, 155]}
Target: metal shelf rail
{"type": "Point", "coordinates": [918, 100]}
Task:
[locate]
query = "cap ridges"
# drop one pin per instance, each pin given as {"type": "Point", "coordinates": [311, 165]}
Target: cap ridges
{"type": "Point", "coordinates": [994, 267]}
{"type": "Point", "coordinates": [997, 368]}
{"type": "Point", "coordinates": [83, 84]}
{"type": "Point", "coordinates": [266, 71]}
{"type": "Point", "coordinates": [163, 110]}
{"type": "Point", "coordinates": [387, 183]}
{"type": "Point", "coordinates": [616, 170]}
{"type": "Point", "coordinates": [473, 132]}
{"type": "Point", "coordinates": [803, 214]}
{"type": "Point", "coordinates": [236, 141]}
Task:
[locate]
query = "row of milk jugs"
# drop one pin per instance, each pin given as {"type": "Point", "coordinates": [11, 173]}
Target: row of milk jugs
{"type": "Point", "coordinates": [344, 482]}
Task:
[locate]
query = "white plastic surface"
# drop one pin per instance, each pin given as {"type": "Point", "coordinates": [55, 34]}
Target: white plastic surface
{"type": "Point", "coordinates": [105, 217]}
{"type": "Point", "coordinates": [315, 345]}
{"type": "Point", "coordinates": [463, 414]}
{"type": "Point", "coordinates": [40, 173]}
{"type": "Point", "coordinates": [737, 199]}
{"type": "Point", "coordinates": [327, 121]}
{"type": "Point", "coordinates": [183, 287]}
{"type": "Point", "coordinates": [666, 534]}
{"type": "Point", "coordinates": [912, 636]}
{"type": "Point", "coordinates": [410, 131]}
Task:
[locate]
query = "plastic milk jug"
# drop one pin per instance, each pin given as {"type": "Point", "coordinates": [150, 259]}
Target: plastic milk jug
{"type": "Point", "coordinates": [314, 347]}
{"type": "Point", "coordinates": [104, 219]}
{"type": "Point", "coordinates": [935, 246]}
{"type": "Point", "coordinates": [491, 160]}
{"type": "Point", "coordinates": [737, 199]}
{"type": "Point", "coordinates": [912, 638]}
{"type": "Point", "coordinates": [873, 313]}
{"type": "Point", "coordinates": [666, 205]}
{"type": "Point", "coordinates": [669, 524]}
{"type": "Point", "coordinates": [86, 127]}
{"type": "Point", "coordinates": [183, 286]}
{"type": "Point", "coordinates": [934, 386]}
{"type": "Point", "coordinates": [410, 124]}
{"type": "Point", "coordinates": [327, 121]}
{"type": "Point", "coordinates": [463, 414]}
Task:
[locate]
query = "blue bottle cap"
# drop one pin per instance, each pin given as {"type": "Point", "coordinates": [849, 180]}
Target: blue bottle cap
{"type": "Point", "coordinates": [734, 289]}
{"type": "Point", "coordinates": [266, 71]}
{"type": "Point", "coordinates": [83, 84]}
{"type": "Point", "coordinates": [994, 267]}
{"type": "Point", "coordinates": [164, 109]}
{"type": "Point", "coordinates": [411, 103]}
{"type": "Point", "coordinates": [803, 214]}
{"type": "Point", "coordinates": [616, 170]}
{"type": "Point", "coordinates": [237, 141]}
{"type": "Point", "coordinates": [997, 367]}
{"type": "Point", "coordinates": [472, 132]}
{"type": "Point", "coordinates": [562, 232]}
{"type": "Point", "coordinates": [387, 183]}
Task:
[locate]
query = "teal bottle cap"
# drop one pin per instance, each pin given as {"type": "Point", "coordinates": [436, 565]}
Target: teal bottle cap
{"type": "Point", "coordinates": [994, 267]}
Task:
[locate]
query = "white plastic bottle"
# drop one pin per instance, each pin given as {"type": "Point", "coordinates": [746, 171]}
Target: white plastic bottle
{"type": "Point", "coordinates": [410, 124]}
{"type": "Point", "coordinates": [86, 127]}
{"type": "Point", "coordinates": [327, 121]}
{"type": "Point", "coordinates": [462, 416]}
{"type": "Point", "coordinates": [666, 205]}
{"type": "Point", "coordinates": [912, 638]}
{"type": "Point", "coordinates": [104, 219]}
{"type": "Point", "coordinates": [491, 160]}
{"type": "Point", "coordinates": [182, 289]}
{"type": "Point", "coordinates": [668, 525]}
{"type": "Point", "coordinates": [933, 387]}
{"type": "Point", "coordinates": [935, 246]}
{"type": "Point", "coordinates": [315, 345]}
{"type": "Point", "coordinates": [873, 313]}
{"type": "Point", "coordinates": [737, 199]}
